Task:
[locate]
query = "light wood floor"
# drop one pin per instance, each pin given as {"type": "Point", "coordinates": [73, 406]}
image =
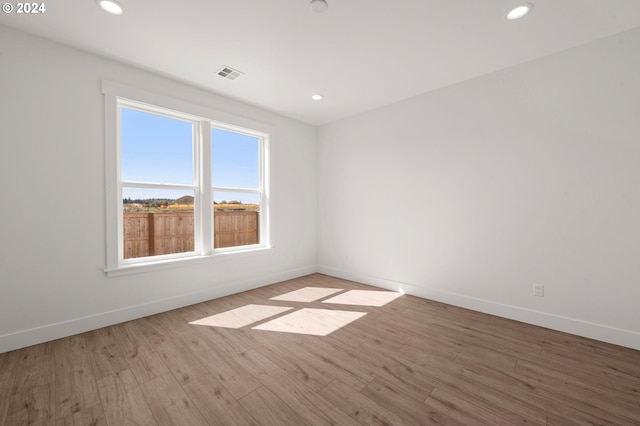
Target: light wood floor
{"type": "Point", "coordinates": [409, 362]}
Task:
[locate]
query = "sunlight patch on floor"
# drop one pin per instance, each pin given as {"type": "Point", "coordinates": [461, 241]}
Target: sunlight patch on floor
{"type": "Point", "coordinates": [364, 298]}
{"type": "Point", "coordinates": [240, 317]}
{"type": "Point", "coordinates": [316, 322]}
{"type": "Point", "coordinates": [311, 321]}
{"type": "Point", "coordinates": [307, 294]}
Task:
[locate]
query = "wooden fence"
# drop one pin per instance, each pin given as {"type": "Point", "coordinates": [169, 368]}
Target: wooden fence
{"type": "Point", "coordinates": [235, 228]}
{"type": "Point", "coordinates": [152, 234]}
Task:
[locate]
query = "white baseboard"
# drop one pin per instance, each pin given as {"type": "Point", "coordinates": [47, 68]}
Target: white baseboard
{"type": "Point", "coordinates": [627, 338]}
{"type": "Point", "coordinates": [33, 336]}
{"type": "Point", "coordinates": [59, 330]}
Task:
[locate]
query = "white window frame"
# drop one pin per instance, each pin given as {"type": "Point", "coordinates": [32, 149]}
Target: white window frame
{"type": "Point", "coordinates": [118, 96]}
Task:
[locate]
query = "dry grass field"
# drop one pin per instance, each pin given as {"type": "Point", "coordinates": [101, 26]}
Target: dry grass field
{"type": "Point", "coordinates": [177, 207]}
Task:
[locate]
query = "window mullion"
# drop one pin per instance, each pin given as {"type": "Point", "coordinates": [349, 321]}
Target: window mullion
{"type": "Point", "coordinates": [229, 189]}
{"type": "Point", "coordinates": [204, 188]}
{"type": "Point", "coordinates": [130, 184]}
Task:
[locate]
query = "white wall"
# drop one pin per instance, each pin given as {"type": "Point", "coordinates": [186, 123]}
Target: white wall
{"type": "Point", "coordinates": [472, 193]}
{"type": "Point", "coordinates": [52, 216]}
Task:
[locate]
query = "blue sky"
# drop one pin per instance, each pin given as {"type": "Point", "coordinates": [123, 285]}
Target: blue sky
{"type": "Point", "coordinates": [159, 150]}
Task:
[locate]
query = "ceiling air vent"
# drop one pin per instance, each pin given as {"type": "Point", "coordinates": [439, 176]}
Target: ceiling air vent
{"type": "Point", "coordinates": [229, 73]}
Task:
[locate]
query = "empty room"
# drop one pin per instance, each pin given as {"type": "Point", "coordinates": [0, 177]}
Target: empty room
{"type": "Point", "coordinates": [320, 212]}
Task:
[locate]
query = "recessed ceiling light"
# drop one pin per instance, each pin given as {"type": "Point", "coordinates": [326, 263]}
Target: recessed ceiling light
{"type": "Point", "coordinates": [519, 11]}
{"type": "Point", "coordinates": [111, 6]}
{"type": "Point", "coordinates": [317, 97]}
{"type": "Point", "coordinates": [318, 6]}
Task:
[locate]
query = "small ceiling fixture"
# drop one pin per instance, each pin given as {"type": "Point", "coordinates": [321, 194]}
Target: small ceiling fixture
{"type": "Point", "coordinates": [519, 11]}
{"type": "Point", "coordinates": [111, 6]}
{"type": "Point", "coordinates": [318, 6]}
{"type": "Point", "coordinates": [317, 97]}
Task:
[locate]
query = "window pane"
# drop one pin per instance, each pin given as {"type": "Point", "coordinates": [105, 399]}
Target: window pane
{"type": "Point", "coordinates": [235, 159]}
{"type": "Point", "coordinates": [157, 221]}
{"type": "Point", "coordinates": [236, 219]}
{"type": "Point", "coordinates": [155, 148]}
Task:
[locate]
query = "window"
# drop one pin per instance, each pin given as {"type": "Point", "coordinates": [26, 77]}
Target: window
{"type": "Point", "coordinates": [235, 164]}
{"type": "Point", "coordinates": [180, 185]}
{"type": "Point", "coordinates": [158, 181]}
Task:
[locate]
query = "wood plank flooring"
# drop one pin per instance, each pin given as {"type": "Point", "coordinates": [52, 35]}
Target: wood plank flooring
{"type": "Point", "coordinates": [409, 362]}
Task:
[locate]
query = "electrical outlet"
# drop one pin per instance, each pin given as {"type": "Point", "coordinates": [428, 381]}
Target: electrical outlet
{"type": "Point", "coordinates": [538, 290]}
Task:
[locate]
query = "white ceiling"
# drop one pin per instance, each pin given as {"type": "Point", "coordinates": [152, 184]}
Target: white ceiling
{"type": "Point", "coordinates": [360, 54]}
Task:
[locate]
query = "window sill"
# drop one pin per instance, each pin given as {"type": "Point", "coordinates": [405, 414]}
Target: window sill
{"type": "Point", "coordinates": [155, 265]}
